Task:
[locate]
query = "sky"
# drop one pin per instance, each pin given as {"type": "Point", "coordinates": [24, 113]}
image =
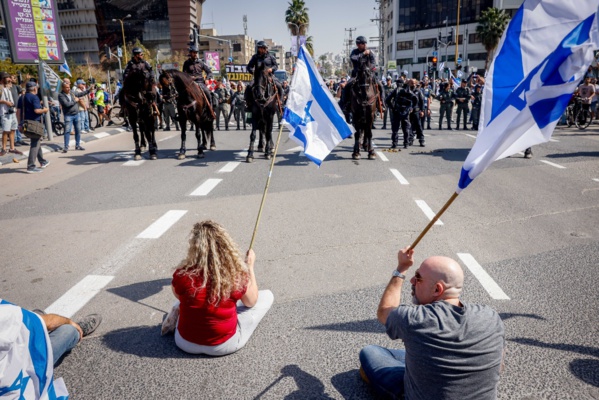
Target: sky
{"type": "Point", "coordinates": [266, 20]}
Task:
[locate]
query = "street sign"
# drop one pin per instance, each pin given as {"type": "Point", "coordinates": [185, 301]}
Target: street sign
{"type": "Point", "coordinates": [459, 60]}
{"type": "Point", "coordinates": [435, 53]}
{"type": "Point", "coordinates": [119, 52]}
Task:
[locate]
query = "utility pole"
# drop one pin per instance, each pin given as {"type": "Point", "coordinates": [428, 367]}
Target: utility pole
{"type": "Point", "coordinates": [381, 23]}
{"type": "Point", "coordinates": [349, 43]}
{"type": "Point", "coordinates": [245, 25]}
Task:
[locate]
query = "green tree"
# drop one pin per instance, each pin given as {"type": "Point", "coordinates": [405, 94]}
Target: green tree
{"type": "Point", "coordinates": [297, 18]}
{"type": "Point", "coordinates": [491, 25]}
{"type": "Point", "coordinates": [310, 45]}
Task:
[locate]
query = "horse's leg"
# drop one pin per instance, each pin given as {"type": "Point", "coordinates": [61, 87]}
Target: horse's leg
{"type": "Point", "coordinates": [368, 134]}
{"type": "Point", "coordinates": [260, 127]}
{"type": "Point", "coordinates": [143, 139]}
{"type": "Point", "coordinates": [250, 156]}
{"type": "Point", "coordinates": [269, 148]}
{"type": "Point", "coordinates": [183, 125]}
{"type": "Point", "coordinates": [136, 139]}
{"type": "Point", "coordinates": [212, 143]}
{"type": "Point", "coordinates": [356, 154]}
{"type": "Point", "coordinates": [199, 133]}
{"type": "Point", "coordinates": [152, 139]}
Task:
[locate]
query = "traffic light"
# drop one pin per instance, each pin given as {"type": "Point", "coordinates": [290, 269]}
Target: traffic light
{"type": "Point", "coordinates": [450, 36]}
{"type": "Point", "coordinates": [440, 37]}
{"type": "Point", "coordinates": [193, 37]}
{"type": "Point", "coordinates": [434, 62]}
{"type": "Point", "coordinates": [107, 51]}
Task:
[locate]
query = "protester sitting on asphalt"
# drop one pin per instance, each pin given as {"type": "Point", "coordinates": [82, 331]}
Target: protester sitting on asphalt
{"type": "Point", "coordinates": [8, 115]}
{"type": "Point", "coordinates": [30, 108]}
{"type": "Point", "coordinates": [219, 303]}
{"type": "Point", "coordinates": [453, 350]}
{"type": "Point", "coordinates": [31, 344]}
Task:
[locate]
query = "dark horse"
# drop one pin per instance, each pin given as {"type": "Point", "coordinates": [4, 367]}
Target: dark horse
{"type": "Point", "coordinates": [265, 104]}
{"type": "Point", "coordinates": [364, 97]}
{"type": "Point", "coordinates": [139, 96]}
{"type": "Point", "coordinates": [191, 106]}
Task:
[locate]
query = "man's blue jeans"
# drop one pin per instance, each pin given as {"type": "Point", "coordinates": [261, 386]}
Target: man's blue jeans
{"type": "Point", "coordinates": [63, 339]}
{"type": "Point", "coordinates": [385, 369]}
{"type": "Point", "coordinates": [84, 121]}
{"type": "Point", "coordinates": [71, 121]}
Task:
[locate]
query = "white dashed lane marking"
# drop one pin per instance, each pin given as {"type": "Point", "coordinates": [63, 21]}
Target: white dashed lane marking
{"type": "Point", "coordinates": [428, 211]}
{"type": "Point", "coordinates": [167, 138]}
{"type": "Point", "coordinates": [596, 180]}
{"type": "Point", "coordinates": [101, 135]}
{"type": "Point", "coordinates": [553, 164]}
{"type": "Point", "coordinates": [553, 140]}
{"type": "Point", "coordinates": [483, 277]}
{"type": "Point", "coordinates": [162, 224]}
{"type": "Point", "coordinates": [399, 176]}
{"type": "Point", "coordinates": [79, 295]}
{"type": "Point", "coordinates": [381, 155]}
{"type": "Point", "coordinates": [470, 136]}
{"type": "Point", "coordinates": [133, 163]}
{"type": "Point", "coordinates": [206, 187]}
{"type": "Point", "coordinates": [230, 166]}
{"type": "Point", "coordinates": [298, 148]}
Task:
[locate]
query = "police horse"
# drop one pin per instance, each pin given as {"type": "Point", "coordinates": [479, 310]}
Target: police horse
{"type": "Point", "coordinates": [192, 105]}
{"type": "Point", "coordinates": [266, 103]}
{"type": "Point", "coordinates": [139, 96]}
{"type": "Point", "coordinates": [363, 103]}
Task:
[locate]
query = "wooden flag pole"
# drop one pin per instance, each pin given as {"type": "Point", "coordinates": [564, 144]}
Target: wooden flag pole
{"type": "Point", "coordinates": [272, 164]}
{"type": "Point", "coordinates": [436, 217]}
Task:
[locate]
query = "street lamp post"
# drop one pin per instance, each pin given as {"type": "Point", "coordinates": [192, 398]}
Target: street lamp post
{"type": "Point", "coordinates": [123, 32]}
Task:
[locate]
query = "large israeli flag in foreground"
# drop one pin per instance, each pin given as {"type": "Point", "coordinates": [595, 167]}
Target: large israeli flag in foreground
{"type": "Point", "coordinates": [26, 361]}
{"type": "Point", "coordinates": [542, 56]}
{"type": "Point", "coordinates": [312, 114]}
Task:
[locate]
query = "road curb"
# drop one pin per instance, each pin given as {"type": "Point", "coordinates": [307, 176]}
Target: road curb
{"type": "Point", "coordinates": [52, 147]}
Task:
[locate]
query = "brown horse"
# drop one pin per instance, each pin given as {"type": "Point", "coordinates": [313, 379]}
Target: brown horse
{"type": "Point", "coordinates": [363, 101]}
{"type": "Point", "coordinates": [192, 105]}
{"type": "Point", "coordinates": [139, 96]}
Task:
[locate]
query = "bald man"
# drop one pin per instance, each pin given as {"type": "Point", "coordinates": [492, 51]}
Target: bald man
{"type": "Point", "coordinates": [453, 350]}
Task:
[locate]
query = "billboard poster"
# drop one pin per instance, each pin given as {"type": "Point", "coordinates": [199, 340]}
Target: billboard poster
{"type": "Point", "coordinates": [33, 31]}
{"type": "Point", "coordinates": [238, 72]}
{"type": "Point", "coordinates": [293, 48]}
{"type": "Point", "coordinates": [212, 60]}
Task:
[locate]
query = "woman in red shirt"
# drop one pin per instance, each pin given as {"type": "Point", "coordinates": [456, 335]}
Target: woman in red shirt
{"type": "Point", "coordinates": [220, 305]}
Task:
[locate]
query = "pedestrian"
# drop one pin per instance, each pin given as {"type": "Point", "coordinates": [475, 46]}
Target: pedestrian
{"type": "Point", "coordinates": [30, 108]}
{"type": "Point", "coordinates": [32, 344]}
{"type": "Point", "coordinates": [446, 97]}
{"type": "Point", "coordinates": [70, 103]}
{"type": "Point", "coordinates": [401, 101]}
{"type": "Point", "coordinates": [417, 114]}
{"type": "Point", "coordinates": [238, 104]}
{"type": "Point", "coordinates": [453, 350]}
{"type": "Point", "coordinates": [224, 108]}
{"type": "Point", "coordinates": [427, 93]}
{"type": "Point", "coordinates": [82, 93]}
{"type": "Point", "coordinates": [219, 304]}
{"type": "Point", "coordinates": [594, 99]}
{"type": "Point", "coordinates": [462, 97]}
{"type": "Point", "coordinates": [8, 115]}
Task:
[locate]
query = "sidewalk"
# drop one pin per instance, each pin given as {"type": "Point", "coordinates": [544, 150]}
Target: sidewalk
{"type": "Point", "coordinates": [57, 143]}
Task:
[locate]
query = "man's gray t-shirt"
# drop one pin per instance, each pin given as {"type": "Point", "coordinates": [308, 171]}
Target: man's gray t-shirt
{"type": "Point", "coordinates": [451, 352]}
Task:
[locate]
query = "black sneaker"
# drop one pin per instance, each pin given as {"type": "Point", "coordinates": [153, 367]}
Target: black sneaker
{"type": "Point", "coordinates": [90, 323]}
{"type": "Point", "coordinates": [79, 148]}
{"type": "Point", "coordinates": [65, 149]}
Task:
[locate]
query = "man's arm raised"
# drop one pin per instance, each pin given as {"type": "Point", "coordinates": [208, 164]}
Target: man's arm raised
{"type": "Point", "coordinates": [392, 294]}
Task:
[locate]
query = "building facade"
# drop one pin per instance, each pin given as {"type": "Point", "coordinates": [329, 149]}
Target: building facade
{"type": "Point", "coordinates": [412, 29]}
{"type": "Point", "coordinates": [78, 25]}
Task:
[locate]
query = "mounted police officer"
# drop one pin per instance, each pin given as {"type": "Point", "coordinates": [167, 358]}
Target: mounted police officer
{"type": "Point", "coordinates": [401, 101]}
{"type": "Point", "coordinates": [357, 56]}
{"type": "Point", "coordinates": [263, 57]}
{"type": "Point", "coordinates": [137, 63]}
{"type": "Point", "coordinates": [196, 67]}
{"type": "Point", "coordinates": [446, 97]}
{"type": "Point", "coordinates": [462, 96]}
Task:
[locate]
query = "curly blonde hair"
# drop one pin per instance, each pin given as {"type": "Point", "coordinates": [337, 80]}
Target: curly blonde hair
{"type": "Point", "coordinates": [215, 258]}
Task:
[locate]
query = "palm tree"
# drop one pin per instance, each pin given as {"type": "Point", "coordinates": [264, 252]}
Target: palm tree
{"type": "Point", "coordinates": [310, 45]}
{"type": "Point", "coordinates": [297, 18]}
{"type": "Point", "coordinates": [490, 27]}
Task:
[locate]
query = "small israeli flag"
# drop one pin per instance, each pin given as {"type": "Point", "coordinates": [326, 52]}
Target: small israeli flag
{"type": "Point", "coordinates": [65, 68]}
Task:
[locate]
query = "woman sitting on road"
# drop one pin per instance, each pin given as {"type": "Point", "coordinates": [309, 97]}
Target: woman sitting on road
{"type": "Point", "coordinates": [220, 305]}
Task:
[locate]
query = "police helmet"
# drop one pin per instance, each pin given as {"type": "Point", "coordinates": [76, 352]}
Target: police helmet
{"type": "Point", "coordinates": [193, 48]}
{"type": "Point", "coordinates": [137, 50]}
{"type": "Point", "coordinates": [263, 44]}
{"type": "Point", "coordinates": [361, 40]}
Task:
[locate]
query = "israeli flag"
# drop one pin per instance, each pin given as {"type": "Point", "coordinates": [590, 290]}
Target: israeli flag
{"type": "Point", "coordinates": [26, 361]}
{"type": "Point", "coordinates": [543, 54]}
{"type": "Point", "coordinates": [312, 115]}
{"type": "Point", "coordinates": [65, 68]}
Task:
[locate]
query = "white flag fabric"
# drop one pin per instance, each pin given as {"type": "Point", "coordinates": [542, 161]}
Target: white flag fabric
{"type": "Point", "coordinates": [455, 81]}
{"type": "Point", "coordinates": [542, 56]}
{"type": "Point", "coordinates": [26, 361]}
{"type": "Point", "coordinates": [312, 115]}
{"type": "Point", "coordinates": [65, 68]}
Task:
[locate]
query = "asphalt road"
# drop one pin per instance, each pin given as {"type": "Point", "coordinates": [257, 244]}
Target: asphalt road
{"type": "Point", "coordinates": [326, 247]}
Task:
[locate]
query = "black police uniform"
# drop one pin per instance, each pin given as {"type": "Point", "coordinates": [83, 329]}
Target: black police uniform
{"type": "Point", "coordinates": [446, 99]}
{"type": "Point", "coordinates": [357, 57]}
{"type": "Point", "coordinates": [401, 101]}
{"type": "Point", "coordinates": [268, 61]}
{"type": "Point", "coordinates": [135, 65]}
{"type": "Point", "coordinates": [169, 97]}
{"type": "Point", "coordinates": [415, 117]}
{"type": "Point", "coordinates": [462, 96]}
{"type": "Point", "coordinates": [195, 68]}
{"type": "Point", "coordinates": [476, 105]}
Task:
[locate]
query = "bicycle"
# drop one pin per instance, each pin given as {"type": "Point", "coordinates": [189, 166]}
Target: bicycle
{"type": "Point", "coordinates": [583, 117]}
{"type": "Point", "coordinates": [57, 126]}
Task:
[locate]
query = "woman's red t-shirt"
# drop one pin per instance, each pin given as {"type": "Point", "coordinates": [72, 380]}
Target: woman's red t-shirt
{"type": "Point", "coordinates": [199, 321]}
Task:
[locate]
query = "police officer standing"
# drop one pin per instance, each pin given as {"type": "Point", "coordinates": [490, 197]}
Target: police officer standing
{"type": "Point", "coordinates": [477, 98]}
{"type": "Point", "coordinates": [269, 62]}
{"type": "Point", "coordinates": [462, 96]}
{"type": "Point", "coordinates": [416, 114]}
{"type": "Point", "coordinates": [196, 67]}
{"type": "Point", "coordinates": [446, 99]}
{"type": "Point", "coordinates": [401, 101]}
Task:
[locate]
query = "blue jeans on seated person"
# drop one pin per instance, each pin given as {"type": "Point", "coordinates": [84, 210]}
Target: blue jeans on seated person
{"type": "Point", "coordinates": [71, 121]}
{"type": "Point", "coordinates": [63, 339]}
{"type": "Point", "coordinates": [385, 370]}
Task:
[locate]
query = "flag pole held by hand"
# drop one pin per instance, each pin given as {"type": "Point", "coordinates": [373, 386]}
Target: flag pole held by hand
{"type": "Point", "coordinates": [435, 218]}
{"type": "Point", "coordinates": [272, 164]}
